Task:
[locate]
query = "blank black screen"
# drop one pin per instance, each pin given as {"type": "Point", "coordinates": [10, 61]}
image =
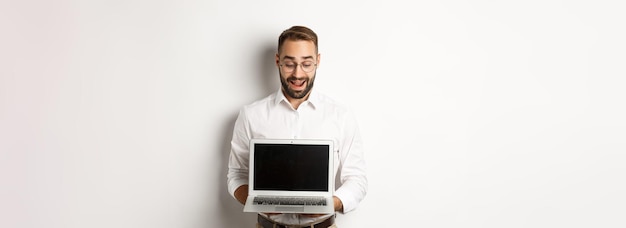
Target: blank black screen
{"type": "Point", "coordinates": [291, 167]}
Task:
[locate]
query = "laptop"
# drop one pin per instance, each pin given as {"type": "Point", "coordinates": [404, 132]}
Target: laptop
{"type": "Point", "coordinates": [291, 176]}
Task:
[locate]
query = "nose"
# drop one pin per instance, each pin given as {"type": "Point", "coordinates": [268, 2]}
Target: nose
{"type": "Point", "coordinates": [298, 71]}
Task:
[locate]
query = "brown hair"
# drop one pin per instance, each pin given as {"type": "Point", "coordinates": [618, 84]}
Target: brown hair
{"type": "Point", "coordinates": [297, 33]}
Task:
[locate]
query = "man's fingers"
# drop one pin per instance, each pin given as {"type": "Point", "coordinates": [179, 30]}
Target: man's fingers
{"type": "Point", "coordinates": [270, 214]}
{"type": "Point", "coordinates": [313, 215]}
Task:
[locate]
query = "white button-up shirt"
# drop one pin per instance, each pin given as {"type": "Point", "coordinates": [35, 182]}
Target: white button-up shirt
{"type": "Point", "coordinates": [317, 118]}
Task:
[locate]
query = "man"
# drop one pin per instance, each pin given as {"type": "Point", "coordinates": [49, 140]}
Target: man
{"type": "Point", "coordinates": [297, 111]}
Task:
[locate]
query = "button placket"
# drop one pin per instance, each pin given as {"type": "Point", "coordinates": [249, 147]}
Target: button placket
{"type": "Point", "coordinates": [296, 125]}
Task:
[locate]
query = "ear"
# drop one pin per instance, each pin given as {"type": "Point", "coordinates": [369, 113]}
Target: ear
{"type": "Point", "coordinates": [319, 57]}
{"type": "Point", "coordinates": [277, 59]}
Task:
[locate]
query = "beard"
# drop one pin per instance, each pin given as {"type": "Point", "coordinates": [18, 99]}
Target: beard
{"type": "Point", "coordinates": [284, 82]}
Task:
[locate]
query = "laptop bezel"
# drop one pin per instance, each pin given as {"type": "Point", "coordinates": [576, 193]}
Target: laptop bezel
{"type": "Point", "coordinates": [328, 193]}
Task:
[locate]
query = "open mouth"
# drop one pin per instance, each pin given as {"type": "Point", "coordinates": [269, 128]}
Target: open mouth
{"type": "Point", "coordinates": [297, 83]}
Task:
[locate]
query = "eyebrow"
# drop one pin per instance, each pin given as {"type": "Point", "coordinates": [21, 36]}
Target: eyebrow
{"type": "Point", "coordinates": [293, 58]}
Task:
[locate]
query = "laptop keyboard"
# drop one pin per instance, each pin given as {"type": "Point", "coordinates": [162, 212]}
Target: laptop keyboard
{"type": "Point", "coordinates": [260, 200]}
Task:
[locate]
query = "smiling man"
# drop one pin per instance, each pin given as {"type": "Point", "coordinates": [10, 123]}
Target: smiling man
{"type": "Point", "coordinates": [296, 111]}
{"type": "Point", "coordinates": [297, 83]}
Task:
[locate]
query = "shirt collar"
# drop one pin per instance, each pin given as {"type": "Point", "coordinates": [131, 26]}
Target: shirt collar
{"type": "Point", "coordinates": [313, 99]}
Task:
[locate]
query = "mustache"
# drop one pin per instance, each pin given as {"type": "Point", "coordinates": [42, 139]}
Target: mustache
{"type": "Point", "coordinates": [294, 78]}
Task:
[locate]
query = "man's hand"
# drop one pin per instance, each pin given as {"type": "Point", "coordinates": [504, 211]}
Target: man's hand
{"type": "Point", "coordinates": [338, 204]}
{"type": "Point", "coordinates": [241, 194]}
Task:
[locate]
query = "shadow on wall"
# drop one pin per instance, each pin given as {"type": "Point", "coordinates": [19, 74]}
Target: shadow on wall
{"type": "Point", "coordinates": [268, 73]}
{"type": "Point", "coordinates": [232, 214]}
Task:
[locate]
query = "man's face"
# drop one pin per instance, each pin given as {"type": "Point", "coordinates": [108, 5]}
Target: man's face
{"type": "Point", "coordinates": [297, 64]}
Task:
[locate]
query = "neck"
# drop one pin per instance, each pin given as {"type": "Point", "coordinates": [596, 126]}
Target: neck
{"type": "Point", "coordinates": [295, 102]}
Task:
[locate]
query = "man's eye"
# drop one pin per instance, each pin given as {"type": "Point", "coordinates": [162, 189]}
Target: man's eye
{"type": "Point", "coordinates": [290, 65]}
{"type": "Point", "coordinates": [307, 64]}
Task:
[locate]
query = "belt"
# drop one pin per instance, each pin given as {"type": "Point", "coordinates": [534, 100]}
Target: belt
{"type": "Point", "coordinates": [266, 223]}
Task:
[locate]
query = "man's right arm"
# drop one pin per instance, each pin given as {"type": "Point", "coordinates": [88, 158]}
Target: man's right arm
{"type": "Point", "coordinates": [237, 176]}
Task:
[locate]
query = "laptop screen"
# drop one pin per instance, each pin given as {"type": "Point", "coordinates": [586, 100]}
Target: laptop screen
{"type": "Point", "coordinates": [291, 167]}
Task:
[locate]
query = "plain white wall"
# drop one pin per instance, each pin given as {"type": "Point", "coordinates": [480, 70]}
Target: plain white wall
{"type": "Point", "coordinates": [474, 113]}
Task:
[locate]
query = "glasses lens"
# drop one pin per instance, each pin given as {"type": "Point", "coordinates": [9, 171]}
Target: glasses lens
{"type": "Point", "coordinates": [289, 67]}
{"type": "Point", "coordinates": [308, 66]}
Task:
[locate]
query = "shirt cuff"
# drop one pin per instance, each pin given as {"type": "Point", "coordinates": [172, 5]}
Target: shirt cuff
{"type": "Point", "coordinates": [349, 203]}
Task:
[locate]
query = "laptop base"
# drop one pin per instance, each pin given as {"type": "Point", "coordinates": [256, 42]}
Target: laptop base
{"type": "Point", "coordinates": [291, 209]}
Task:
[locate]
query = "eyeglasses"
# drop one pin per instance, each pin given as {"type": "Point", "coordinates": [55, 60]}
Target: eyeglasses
{"type": "Point", "coordinates": [306, 66]}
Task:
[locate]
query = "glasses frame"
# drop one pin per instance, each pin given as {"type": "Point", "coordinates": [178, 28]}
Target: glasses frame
{"type": "Point", "coordinates": [301, 67]}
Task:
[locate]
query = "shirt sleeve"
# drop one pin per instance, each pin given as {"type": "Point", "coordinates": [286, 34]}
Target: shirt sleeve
{"type": "Point", "coordinates": [238, 161]}
{"type": "Point", "coordinates": [353, 180]}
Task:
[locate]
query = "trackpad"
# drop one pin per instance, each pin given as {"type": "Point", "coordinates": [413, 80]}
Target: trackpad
{"type": "Point", "coordinates": [290, 209]}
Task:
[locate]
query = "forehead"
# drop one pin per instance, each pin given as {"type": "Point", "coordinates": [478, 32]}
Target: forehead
{"type": "Point", "coordinates": [298, 49]}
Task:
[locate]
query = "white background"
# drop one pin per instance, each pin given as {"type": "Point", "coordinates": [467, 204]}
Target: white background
{"type": "Point", "coordinates": [479, 114]}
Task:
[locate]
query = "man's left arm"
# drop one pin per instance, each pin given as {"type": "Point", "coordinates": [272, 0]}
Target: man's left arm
{"type": "Point", "coordinates": [352, 170]}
